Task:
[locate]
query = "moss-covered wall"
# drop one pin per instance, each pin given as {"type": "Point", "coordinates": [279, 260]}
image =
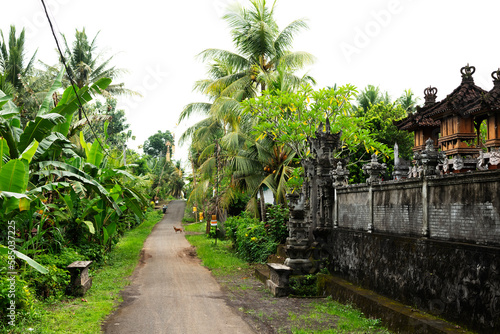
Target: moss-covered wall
{"type": "Point", "coordinates": [459, 282]}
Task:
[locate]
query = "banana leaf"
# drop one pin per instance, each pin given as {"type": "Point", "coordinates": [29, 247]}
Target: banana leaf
{"type": "Point", "coordinates": [38, 129]}
{"type": "Point", "coordinates": [5, 251]}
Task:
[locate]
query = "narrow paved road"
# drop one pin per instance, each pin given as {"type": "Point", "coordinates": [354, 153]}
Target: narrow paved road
{"type": "Point", "coordinates": [171, 292]}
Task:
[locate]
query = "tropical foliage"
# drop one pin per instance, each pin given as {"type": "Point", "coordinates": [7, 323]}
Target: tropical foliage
{"type": "Point", "coordinates": [226, 156]}
{"type": "Point", "coordinates": [67, 192]}
{"type": "Point", "coordinates": [260, 114]}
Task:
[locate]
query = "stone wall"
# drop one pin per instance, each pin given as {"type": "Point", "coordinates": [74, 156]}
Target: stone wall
{"type": "Point", "coordinates": [456, 207]}
{"type": "Point", "coordinates": [455, 281]}
{"type": "Point", "coordinates": [431, 241]}
{"type": "Point", "coordinates": [427, 242]}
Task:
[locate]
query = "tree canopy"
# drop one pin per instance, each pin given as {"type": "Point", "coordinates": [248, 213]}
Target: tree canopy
{"type": "Point", "coordinates": [156, 145]}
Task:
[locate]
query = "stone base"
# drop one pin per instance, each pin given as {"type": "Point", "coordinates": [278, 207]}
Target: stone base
{"type": "Point", "coordinates": [300, 266]}
{"type": "Point", "coordinates": [276, 290]}
{"type": "Point", "coordinates": [79, 290]}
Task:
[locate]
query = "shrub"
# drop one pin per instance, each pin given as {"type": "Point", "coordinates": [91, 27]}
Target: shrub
{"type": "Point", "coordinates": [231, 225]}
{"type": "Point", "coordinates": [250, 238]}
{"type": "Point", "coordinates": [51, 284]}
{"type": "Point", "coordinates": [305, 286]}
{"type": "Point", "coordinates": [276, 225]}
{"type": "Point", "coordinates": [23, 296]}
{"type": "Point", "coordinates": [253, 243]}
{"type": "Point", "coordinates": [55, 281]}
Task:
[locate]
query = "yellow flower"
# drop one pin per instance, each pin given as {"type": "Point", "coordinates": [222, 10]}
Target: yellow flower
{"type": "Point", "coordinates": [253, 238]}
{"type": "Point", "coordinates": [246, 235]}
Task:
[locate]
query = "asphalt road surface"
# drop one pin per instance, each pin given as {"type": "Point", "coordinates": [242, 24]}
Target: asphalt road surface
{"type": "Point", "coordinates": [170, 291]}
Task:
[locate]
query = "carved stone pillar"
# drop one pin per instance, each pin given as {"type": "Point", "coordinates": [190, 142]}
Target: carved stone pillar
{"type": "Point", "coordinates": [298, 249]}
{"type": "Point", "coordinates": [401, 166]}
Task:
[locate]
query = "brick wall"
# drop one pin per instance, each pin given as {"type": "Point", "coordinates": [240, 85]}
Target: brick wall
{"type": "Point", "coordinates": [460, 207]}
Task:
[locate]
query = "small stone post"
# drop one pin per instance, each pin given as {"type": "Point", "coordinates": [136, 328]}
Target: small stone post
{"type": "Point", "coordinates": [80, 280]}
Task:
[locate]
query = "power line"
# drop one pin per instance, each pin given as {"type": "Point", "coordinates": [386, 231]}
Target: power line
{"type": "Point", "coordinates": [80, 109]}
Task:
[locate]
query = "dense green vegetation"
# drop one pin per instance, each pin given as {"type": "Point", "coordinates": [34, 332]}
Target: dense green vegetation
{"type": "Point", "coordinates": [261, 112]}
{"type": "Point", "coordinates": [69, 188]}
{"type": "Point", "coordinates": [85, 315]}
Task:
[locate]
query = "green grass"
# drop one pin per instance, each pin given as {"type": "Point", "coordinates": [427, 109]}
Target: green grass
{"type": "Point", "coordinates": [86, 315]}
{"type": "Point", "coordinates": [197, 227]}
{"type": "Point", "coordinates": [349, 319]}
{"type": "Point", "coordinates": [220, 259]}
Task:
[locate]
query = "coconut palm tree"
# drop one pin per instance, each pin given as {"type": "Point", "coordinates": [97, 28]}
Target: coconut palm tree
{"type": "Point", "coordinates": [86, 66]}
{"type": "Point", "coordinates": [263, 164]}
{"type": "Point", "coordinates": [263, 60]}
{"type": "Point", "coordinates": [371, 95]}
{"type": "Point", "coordinates": [262, 49]}
{"type": "Point", "coordinates": [408, 101]}
{"type": "Point", "coordinates": [12, 59]}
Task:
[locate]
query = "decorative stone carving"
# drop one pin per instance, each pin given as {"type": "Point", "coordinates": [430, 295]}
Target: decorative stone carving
{"type": "Point", "coordinates": [482, 161]}
{"type": "Point", "coordinates": [311, 211]}
{"type": "Point", "coordinates": [427, 160]}
{"type": "Point", "coordinates": [375, 170]}
{"type": "Point", "coordinates": [494, 158]}
{"type": "Point", "coordinates": [340, 176]}
{"type": "Point", "coordinates": [458, 163]}
{"type": "Point", "coordinates": [297, 248]}
{"type": "Point", "coordinates": [446, 165]}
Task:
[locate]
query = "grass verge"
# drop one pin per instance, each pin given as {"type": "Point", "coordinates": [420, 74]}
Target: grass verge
{"type": "Point", "coordinates": [85, 315]}
{"type": "Point", "coordinates": [220, 258]}
{"type": "Point", "coordinates": [350, 320]}
{"type": "Point", "coordinates": [195, 227]}
{"type": "Point", "coordinates": [277, 315]}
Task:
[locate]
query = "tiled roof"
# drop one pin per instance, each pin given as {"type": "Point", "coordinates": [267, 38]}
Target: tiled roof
{"type": "Point", "coordinates": [491, 100]}
{"type": "Point", "coordinates": [462, 97]}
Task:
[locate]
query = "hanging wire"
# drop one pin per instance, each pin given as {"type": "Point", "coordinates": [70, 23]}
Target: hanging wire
{"type": "Point", "coordinates": [80, 105]}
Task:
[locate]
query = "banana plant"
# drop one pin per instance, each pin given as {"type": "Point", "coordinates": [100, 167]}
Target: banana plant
{"type": "Point", "coordinates": [47, 132]}
{"type": "Point", "coordinates": [28, 155]}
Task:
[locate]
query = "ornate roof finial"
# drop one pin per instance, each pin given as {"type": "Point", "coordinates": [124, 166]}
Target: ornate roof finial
{"type": "Point", "coordinates": [467, 72]}
{"type": "Point", "coordinates": [496, 77]}
{"type": "Point", "coordinates": [430, 95]}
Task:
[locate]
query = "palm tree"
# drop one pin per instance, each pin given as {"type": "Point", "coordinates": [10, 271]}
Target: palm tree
{"type": "Point", "coordinates": [19, 78]}
{"type": "Point", "coordinates": [12, 59]}
{"type": "Point", "coordinates": [263, 61]}
{"type": "Point", "coordinates": [263, 164]}
{"type": "Point", "coordinates": [408, 101]}
{"type": "Point", "coordinates": [262, 48]}
{"type": "Point", "coordinates": [86, 67]}
{"type": "Point", "coordinates": [371, 95]}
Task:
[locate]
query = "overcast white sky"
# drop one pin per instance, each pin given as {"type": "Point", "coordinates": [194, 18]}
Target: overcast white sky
{"type": "Point", "coordinates": [393, 44]}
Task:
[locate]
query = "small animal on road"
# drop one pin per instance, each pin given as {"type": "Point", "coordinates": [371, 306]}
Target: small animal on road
{"type": "Point", "coordinates": [177, 229]}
